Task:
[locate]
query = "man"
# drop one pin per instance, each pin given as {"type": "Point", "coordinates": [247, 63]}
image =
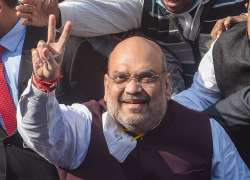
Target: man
{"type": "Point", "coordinates": [181, 27]}
{"type": "Point", "coordinates": [16, 41]}
{"type": "Point", "coordinates": [223, 75]}
{"type": "Point", "coordinates": [15, 69]}
{"type": "Point", "coordinates": [141, 135]}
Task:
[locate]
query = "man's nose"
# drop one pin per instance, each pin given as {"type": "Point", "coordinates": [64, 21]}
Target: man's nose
{"type": "Point", "coordinates": [133, 86]}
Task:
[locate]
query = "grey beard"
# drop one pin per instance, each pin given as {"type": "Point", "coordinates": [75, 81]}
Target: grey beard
{"type": "Point", "coordinates": [143, 123]}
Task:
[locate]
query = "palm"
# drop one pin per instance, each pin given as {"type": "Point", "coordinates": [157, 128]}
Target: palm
{"type": "Point", "coordinates": [47, 57]}
{"type": "Point", "coordinates": [38, 15]}
{"type": "Point", "coordinates": [50, 68]}
{"type": "Point", "coordinates": [41, 14]}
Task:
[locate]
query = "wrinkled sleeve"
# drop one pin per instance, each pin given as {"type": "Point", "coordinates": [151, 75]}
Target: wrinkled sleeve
{"type": "Point", "coordinates": [227, 163]}
{"type": "Point", "coordinates": [96, 17]}
{"type": "Point", "coordinates": [59, 133]}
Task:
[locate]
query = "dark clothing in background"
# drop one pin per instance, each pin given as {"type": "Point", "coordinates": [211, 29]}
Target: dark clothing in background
{"type": "Point", "coordinates": [231, 55]}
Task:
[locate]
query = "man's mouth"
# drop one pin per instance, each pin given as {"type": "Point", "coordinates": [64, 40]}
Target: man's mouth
{"type": "Point", "coordinates": [170, 4]}
{"type": "Point", "coordinates": [134, 101]}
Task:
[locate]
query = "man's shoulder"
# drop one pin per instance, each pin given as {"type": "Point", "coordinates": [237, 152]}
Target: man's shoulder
{"type": "Point", "coordinates": [96, 107]}
{"type": "Point", "coordinates": [227, 2]}
{"type": "Point", "coordinates": [228, 39]}
{"type": "Point", "coordinates": [176, 106]}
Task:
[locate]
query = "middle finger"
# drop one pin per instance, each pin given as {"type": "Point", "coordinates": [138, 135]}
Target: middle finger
{"type": "Point", "coordinates": [51, 29]}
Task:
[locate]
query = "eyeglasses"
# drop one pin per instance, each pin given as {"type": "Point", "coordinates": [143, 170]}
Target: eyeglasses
{"type": "Point", "coordinates": [144, 78]}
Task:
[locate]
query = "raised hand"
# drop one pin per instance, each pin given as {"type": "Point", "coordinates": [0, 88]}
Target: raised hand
{"type": "Point", "coordinates": [47, 57]}
{"type": "Point", "coordinates": [36, 12]}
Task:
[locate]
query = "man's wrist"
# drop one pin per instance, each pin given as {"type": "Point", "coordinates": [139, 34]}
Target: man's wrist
{"type": "Point", "coordinates": [43, 85]}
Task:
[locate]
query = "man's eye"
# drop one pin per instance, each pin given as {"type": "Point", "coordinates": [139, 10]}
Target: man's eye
{"type": "Point", "coordinates": [120, 79]}
{"type": "Point", "coordinates": [147, 79]}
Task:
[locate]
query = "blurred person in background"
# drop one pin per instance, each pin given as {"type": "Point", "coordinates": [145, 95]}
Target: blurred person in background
{"type": "Point", "coordinates": [181, 27]}
{"type": "Point", "coordinates": [221, 84]}
{"type": "Point", "coordinates": [16, 40]}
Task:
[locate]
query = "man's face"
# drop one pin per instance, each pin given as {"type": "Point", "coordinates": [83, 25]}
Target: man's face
{"type": "Point", "coordinates": [7, 17]}
{"type": "Point", "coordinates": [4, 7]}
{"type": "Point", "coordinates": [177, 6]}
{"type": "Point", "coordinates": [137, 106]}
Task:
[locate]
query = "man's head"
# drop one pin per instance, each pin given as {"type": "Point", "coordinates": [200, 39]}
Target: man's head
{"type": "Point", "coordinates": [8, 16]}
{"type": "Point", "coordinates": [180, 6]}
{"type": "Point", "coordinates": [137, 85]}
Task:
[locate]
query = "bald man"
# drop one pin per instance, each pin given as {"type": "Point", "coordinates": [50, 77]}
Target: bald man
{"type": "Point", "coordinates": [137, 133]}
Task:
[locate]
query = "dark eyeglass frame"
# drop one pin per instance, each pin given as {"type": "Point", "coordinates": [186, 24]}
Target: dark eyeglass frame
{"type": "Point", "coordinates": [144, 78]}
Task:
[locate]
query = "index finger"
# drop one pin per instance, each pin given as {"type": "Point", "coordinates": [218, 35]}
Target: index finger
{"type": "Point", "coordinates": [65, 35]}
{"type": "Point", "coordinates": [51, 29]}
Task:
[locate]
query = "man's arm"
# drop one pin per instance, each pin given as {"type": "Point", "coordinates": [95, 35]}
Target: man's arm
{"type": "Point", "coordinates": [204, 90]}
{"type": "Point", "coordinates": [94, 17]}
{"type": "Point", "coordinates": [227, 163]}
{"type": "Point", "coordinates": [59, 133]}
{"type": "Point", "coordinates": [89, 17]}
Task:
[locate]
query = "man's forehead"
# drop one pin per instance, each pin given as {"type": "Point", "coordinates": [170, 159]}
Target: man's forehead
{"type": "Point", "coordinates": [135, 52]}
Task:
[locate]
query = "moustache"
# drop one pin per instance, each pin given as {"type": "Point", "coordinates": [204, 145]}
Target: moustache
{"type": "Point", "coordinates": [132, 99]}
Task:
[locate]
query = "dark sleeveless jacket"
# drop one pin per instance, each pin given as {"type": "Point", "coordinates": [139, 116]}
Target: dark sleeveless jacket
{"type": "Point", "coordinates": [231, 54]}
{"type": "Point", "coordinates": [180, 148]}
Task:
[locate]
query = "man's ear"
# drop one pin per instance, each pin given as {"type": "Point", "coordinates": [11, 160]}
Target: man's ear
{"type": "Point", "coordinates": [106, 84]}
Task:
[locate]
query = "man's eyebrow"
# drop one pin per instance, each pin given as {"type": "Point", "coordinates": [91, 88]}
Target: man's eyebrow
{"type": "Point", "coordinates": [147, 71]}
{"type": "Point", "coordinates": [143, 71]}
{"type": "Point", "coordinates": [119, 72]}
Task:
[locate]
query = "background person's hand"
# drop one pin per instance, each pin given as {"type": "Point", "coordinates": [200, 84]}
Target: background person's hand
{"type": "Point", "coordinates": [36, 12]}
{"type": "Point", "coordinates": [225, 24]}
{"type": "Point", "coordinates": [47, 57]}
